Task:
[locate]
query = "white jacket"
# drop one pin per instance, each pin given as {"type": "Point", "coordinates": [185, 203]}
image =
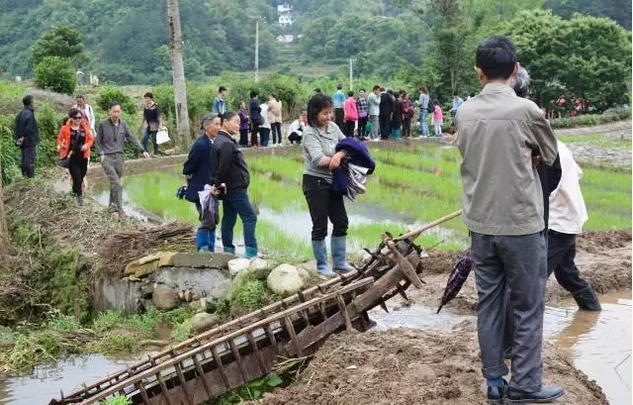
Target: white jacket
{"type": "Point", "coordinates": [266, 123]}
{"type": "Point", "coordinates": [567, 211]}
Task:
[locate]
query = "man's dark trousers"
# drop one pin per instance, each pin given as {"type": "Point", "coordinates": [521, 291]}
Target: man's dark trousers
{"type": "Point", "coordinates": [27, 161]}
{"type": "Point", "coordinates": [519, 262]}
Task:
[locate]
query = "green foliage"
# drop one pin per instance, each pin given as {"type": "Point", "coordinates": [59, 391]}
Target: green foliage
{"type": "Point", "coordinates": [55, 73]}
{"type": "Point", "coordinates": [63, 41]}
{"type": "Point", "coordinates": [618, 10]}
{"type": "Point", "coordinates": [585, 57]}
{"type": "Point", "coordinates": [110, 94]}
{"type": "Point", "coordinates": [118, 400]}
{"type": "Point", "coordinates": [591, 119]}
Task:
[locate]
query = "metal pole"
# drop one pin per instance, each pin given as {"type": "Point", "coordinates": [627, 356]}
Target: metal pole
{"type": "Point", "coordinates": [351, 75]}
{"type": "Point", "coordinates": [256, 49]}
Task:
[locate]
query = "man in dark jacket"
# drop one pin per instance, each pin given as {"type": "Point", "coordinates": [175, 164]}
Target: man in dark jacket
{"type": "Point", "coordinates": [230, 173]}
{"type": "Point", "coordinates": [197, 171]}
{"type": "Point", "coordinates": [387, 105]}
{"type": "Point", "coordinates": [26, 136]}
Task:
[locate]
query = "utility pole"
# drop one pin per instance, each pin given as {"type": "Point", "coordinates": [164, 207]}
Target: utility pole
{"type": "Point", "coordinates": [351, 73]}
{"type": "Point", "coordinates": [256, 49]}
{"type": "Point", "coordinates": [178, 74]}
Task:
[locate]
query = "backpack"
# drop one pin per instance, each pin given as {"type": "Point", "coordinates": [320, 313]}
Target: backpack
{"type": "Point", "coordinates": [430, 108]}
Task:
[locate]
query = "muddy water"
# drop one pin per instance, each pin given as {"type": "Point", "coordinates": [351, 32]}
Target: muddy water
{"type": "Point", "coordinates": [46, 381]}
{"type": "Point", "coordinates": [599, 343]}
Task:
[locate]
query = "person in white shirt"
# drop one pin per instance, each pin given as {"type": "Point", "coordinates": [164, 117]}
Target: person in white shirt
{"type": "Point", "coordinates": [264, 129]}
{"type": "Point", "coordinates": [567, 214]}
{"type": "Point", "coordinates": [86, 110]}
{"type": "Point", "coordinates": [295, 131]}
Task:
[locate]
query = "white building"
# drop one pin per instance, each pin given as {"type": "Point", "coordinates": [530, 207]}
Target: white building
{"type": "Point", "coordinates": [284, 8]}
{"type": "Point", "coordinates": [285, 18]}
{"type": "Point", "coordinates": [285, 39]}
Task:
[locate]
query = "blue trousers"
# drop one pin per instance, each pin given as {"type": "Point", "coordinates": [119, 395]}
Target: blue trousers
{"type": "Point", "coordinates": [423, 125]}
{"type": "Point", "coordinates": [237, 203]}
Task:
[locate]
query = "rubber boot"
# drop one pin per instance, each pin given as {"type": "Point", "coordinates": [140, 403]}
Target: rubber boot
{"type": "Point", "coordinates": [320, 254]}
{"type": "Point", "coordinates": [211, 241]}
{"type": "Point", "coordinates": [339, 254]}
{"type": "Point", "coordinates": [587, 300]}
{"type": "Point", "coordinates": [250, 253]}
{"type": "Point", "coordinates": [230, 250]}
{"type": "Point", "coordinates": [202, 239]}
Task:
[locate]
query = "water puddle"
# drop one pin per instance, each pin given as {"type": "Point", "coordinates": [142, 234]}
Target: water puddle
{"type": "Point", "coordinates": [599, 343]}
{"type": "Point", "coordinates": [46, 381]}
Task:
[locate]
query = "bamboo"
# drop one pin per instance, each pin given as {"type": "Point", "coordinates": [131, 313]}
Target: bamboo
{"type": "Point", "coordinates": [414, 234]}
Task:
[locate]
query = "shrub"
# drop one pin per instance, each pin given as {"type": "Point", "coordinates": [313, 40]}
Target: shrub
{"type": "Point", "coordinates": [109, 94]}
{"type": "Point", "coordinates": [56, 74]}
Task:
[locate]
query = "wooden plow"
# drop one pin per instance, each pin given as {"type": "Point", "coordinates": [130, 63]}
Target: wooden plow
{"type": "Point", "coordinates": [230, 355]}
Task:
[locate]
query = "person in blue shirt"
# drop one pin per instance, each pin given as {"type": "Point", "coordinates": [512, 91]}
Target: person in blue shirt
{"type": "Point", "coordinates": [219, 103]}
{"type": "Point", "coordinates": [338, 99]}
{"type": "Point", "coordinates": [457, 102]}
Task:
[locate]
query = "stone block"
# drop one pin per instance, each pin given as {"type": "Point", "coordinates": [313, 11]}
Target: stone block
{"type": "Point", "coordinates": [202, 260]}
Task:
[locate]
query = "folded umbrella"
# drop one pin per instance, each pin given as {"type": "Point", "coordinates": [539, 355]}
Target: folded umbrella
{"type": "Point", "coordinates": [456, 280]}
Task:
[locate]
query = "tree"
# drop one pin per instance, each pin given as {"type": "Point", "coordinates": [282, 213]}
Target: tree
{"type": "Point", "coordinates": [178, 73]}
{"type": "Point", "coordinates": [57, 74]}
{"type": "Point", "coordinates": [4, 230]}
{"type": "Point", "coordinates": [62, 41]}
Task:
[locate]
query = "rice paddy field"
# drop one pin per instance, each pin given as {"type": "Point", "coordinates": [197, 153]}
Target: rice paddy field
{"type": "Point", "coordinates": [415, 182]}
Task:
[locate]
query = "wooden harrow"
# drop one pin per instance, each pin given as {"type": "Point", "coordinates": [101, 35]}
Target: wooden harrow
{"type": "Point", "coordinates": [220, 360]}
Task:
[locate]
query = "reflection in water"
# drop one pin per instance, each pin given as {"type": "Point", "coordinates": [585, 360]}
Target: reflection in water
{"type": "Point", "coordinates": [46, 381]}
{"type": "Point", "coordinates": [599, 343]}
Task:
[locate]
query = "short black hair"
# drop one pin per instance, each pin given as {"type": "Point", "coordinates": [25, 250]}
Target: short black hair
{"type": "Point", "coordinates": [149, 94]}
{"type": "Point", "coordinates": [318, 103]}
{"type": "Point", "coordinates": [456, 94]}
{"type": "Point", "coordinates": [350, 94]}
{"type": "Point", "coordinates": [362, 89]}
{"type": "Point", "coordinates": [221, 89]}
{"type": "Point", "coordinates": [27, 100]}
{"type": "Point", "coordinates": [227, 115]}
{"type": "Point", "coordinates": [80, 97]}
{"type": "Point", "coordinates": [317, 90]}
{"type": "Point", "coordinates": [114, 104]}
{"type": "Point", "coordinates": [254, 94]}
{"type": "Point", "coordinates": [472, 94]}
{"type": "Point", "coordinates": [496, 57]}
{"type": "Point", "coordinates": [339, 86]}
{"type": "Point", "coordinates": [74, 111]}
{"type": "Point", "coordinates": [376, 87]}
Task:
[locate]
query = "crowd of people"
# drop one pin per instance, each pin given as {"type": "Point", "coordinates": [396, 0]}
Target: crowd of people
{"type": "Point", "coordinates": [523, 225]}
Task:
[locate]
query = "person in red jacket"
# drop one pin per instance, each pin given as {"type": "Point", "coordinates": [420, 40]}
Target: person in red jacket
{"type": "Point", "coordinates": [73, 145]}
{"type": "Point", "coordinates": [351, 114]}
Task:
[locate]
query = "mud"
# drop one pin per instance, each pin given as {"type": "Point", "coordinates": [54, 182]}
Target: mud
{"type": "Point", "coordinates": [406, 366]}
{"type": "Point", "coordinates": [603, 258]}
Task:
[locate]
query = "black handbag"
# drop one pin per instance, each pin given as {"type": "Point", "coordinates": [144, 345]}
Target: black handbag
{"type": "Point", "coordinates": [64, 162]}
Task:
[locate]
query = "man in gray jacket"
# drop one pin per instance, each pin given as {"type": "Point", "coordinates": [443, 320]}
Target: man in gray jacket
{"type": "Point", "coordinates": [499, 133]}
{"type": "Point", "coordinates": [374, 110]}
{"type": "Point", "coordinates": [111, 137]}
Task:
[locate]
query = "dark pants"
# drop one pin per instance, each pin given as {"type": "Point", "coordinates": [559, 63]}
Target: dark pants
{"type": "Point", "coordinates": [254, 133]}
{"type": "Point", "coordinates": [385, 126]}
{"type": "Point", "coordinates": [295, 137]}
{"type": "Point", "coordinates": [276, 130]}
{"type": "Point", "coordinates": [237, 203]}
{"type": "Point", "coordinates": [77, 167]}
{"type": "Point", "coordinates": [339, 118]}
{"type": "Point", "coordinates": [147, 134]}
{"type": "Point", "coordinates": [406, 127]}
{"type": "Point", "coordinates": [27, 161]}
{"type": "Point", "coordinates": [362, 127]}
{"type": "Point", "coordinates": [243, 137]}
{"type": "Point", "coordinates": [324, 204]}
{"type": "Point", "coordinates": [520, 263]}
{"type": "Point", "coordinates": [349, 128]}
{"type": "Point", "coordinates": [264, 136]}
{"type": "Point", "coordinates": [561, 252]}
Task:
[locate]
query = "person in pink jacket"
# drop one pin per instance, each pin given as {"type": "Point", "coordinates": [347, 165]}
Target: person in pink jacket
{"type": "Point", "coordinates": [351, 114]}
{"type": "Point", "coordinates": [438, 118]}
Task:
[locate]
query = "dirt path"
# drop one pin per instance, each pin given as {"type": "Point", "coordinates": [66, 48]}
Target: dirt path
{"type": "Point", "coordinates": [619, 129]}
{"type": "Point", "coordinates": [405, 366]}
{"type": "Point", "coordinates": [604, 259]}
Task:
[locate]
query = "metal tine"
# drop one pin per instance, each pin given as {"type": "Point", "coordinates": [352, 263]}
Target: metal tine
{"type": "Point", "coordinates": [200, 372]}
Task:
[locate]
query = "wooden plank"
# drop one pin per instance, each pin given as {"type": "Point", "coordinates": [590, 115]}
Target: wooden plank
{"type": "Point", "coordinates": [183, 384]}
{"type": "Point", "coordinates": [238, 360]}
{"type": "Point", "coordinates": [200, 372]}
{"type": "Point", "coordinates": [293, 335]}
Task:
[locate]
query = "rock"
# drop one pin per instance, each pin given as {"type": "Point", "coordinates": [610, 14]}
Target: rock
{"type": "Point", "coordinates": [304, 274]}
{"type": "Point", "coordinates": [166, 259]}
{"type": "Point", "coordinates": [188, 295]}
{"type": "Point", "coordinates": [212, 283]}
{"type": "Point", "coordinates": [238, 265]}
{"type": "Point", "coordinates": [143, 266]}
{"type": "Point", "coordinates": [285, 280]}
{"type": "Point", "coordinates": [147, 290]}
{"type": "Point", "coordinates": [202, 322]}
{"type": "Point", "coordinates": [202, 261]}
{"type": "Point", "coordinates": [259, 264]}
{"type": "Point", "coordinates": [165, 297]}
{"type": "Point", "coordinates": [195, 305]}
{"type": "Point", "coordinates": [310, 266]}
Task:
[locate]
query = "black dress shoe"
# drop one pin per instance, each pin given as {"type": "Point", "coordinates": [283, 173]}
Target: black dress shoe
{"type": "Point", "coordinates": [496, 394]}
{"type": "Point", "coordinates": [544, 395]}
